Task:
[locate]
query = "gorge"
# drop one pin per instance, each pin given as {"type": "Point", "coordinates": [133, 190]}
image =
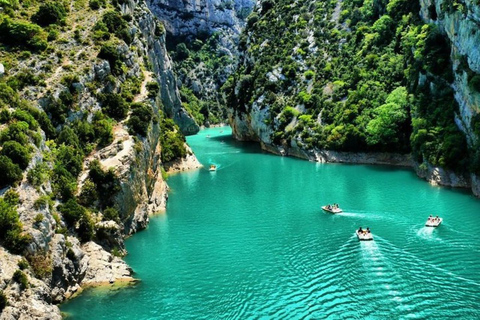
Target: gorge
{"type": "Point", "coordinates": [96, 98]}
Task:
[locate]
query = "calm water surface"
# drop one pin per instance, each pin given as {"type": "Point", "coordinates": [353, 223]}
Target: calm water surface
{"type": "Point", "coordinates": [250, 241]}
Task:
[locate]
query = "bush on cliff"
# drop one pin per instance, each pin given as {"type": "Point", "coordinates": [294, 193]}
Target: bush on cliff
{"type": "Point", "coordinates": [21, 279]}
{"type": "Point", "coordinates": [172, 141]}
{"type": "Point", "coordinates": [11, 235]}
{"type": "Point", "coordinates": [9, 172]}
{"type": "Point", "coordinates": [114, 105]}
{"type": "Point", "coordinates": [140, 118]}
{"type": "Point", "coordinates": [25, 34]}
{"type": "Point", "coordinates": [19, 154]}
{"type": "Point", "coordinates": [3, 301]}
{"type": "Point", "coordinates": [50, 13]}
{"type": "Point", "coordinates": [78, 218]}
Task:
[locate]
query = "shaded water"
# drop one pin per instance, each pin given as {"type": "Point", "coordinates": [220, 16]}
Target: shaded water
{"type": "Point", "coordinates": [251, 241]}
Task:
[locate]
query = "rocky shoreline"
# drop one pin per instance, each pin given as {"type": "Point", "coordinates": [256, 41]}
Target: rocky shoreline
{"type": "Point", "coordinates": [433, 175]}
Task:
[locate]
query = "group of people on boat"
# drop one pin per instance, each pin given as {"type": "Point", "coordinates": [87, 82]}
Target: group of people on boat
{"type": "Point", "coordinates": [432, 219]}
{"type": "Point", "coordinates": [334, 206]}
{"type": "Point", "coordinates": [360, 230]}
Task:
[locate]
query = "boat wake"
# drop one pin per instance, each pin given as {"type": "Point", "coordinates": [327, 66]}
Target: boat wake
{"type": "Point", "coordinates": [428, 234]}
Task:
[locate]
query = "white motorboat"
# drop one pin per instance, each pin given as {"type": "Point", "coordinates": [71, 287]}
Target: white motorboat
{"type": "Point", "coordinates": [364, 235]}
{"type": "Point", "coordinates": [433, 222]}
{"type": "Point", "coordinates": [332, 209]}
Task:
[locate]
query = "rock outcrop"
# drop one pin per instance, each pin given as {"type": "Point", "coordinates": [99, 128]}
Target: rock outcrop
{"type": "Point", "coordinates": [59, 265]}
{"type": "Point", "coordinates": [197, 16]}
{"type": "Point", "coordinates": [252, 119]}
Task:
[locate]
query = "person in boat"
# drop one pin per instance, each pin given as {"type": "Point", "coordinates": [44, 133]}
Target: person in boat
{"type": "Point", "coordinates": [329, 207]}
{"type": "Point", "coordinates": [368, 230]}
{"type": "Point", "coordinates": [430, 218]}
{"type": "Point", "coordinates": [360, 230]}
{"type": "Point", "coordinates": [437, 218]}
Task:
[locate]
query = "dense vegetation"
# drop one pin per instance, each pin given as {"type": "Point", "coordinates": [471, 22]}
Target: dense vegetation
{"type": "Point", "coordinates": [46, 132]}
{"type": "Point", "coordinates": [202, 68]}
{"type": "Point", "coordinates": [347, 78]}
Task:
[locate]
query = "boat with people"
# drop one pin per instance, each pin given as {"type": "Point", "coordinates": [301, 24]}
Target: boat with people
{"type": "Point", "coordinates": [212, 167]}
{"type": "Point", "coordinates": [433, 221]}
{"type": "Point", "coordinates": [364, 235]}
{"type": "Point", "coordinates": [332, 208]}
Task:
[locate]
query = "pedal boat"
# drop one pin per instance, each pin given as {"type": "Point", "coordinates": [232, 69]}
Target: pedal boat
{"type": "Point", "coordinates": [332, 209]}
{"type": "Point", "coordinates": [364, 236]}
{"type": "Point", "coordinates": [433, 222]}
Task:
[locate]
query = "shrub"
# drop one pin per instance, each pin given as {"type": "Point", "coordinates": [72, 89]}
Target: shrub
{"type": "Point", "coordinates": [182, 52]}
{"type": "Point", "coordinates": [103, 128]}
{"type": "Point", "coordinates": [39, 218]}
{"type": "Point", "coordinates": [475, 83]}
{"type": "Point", "coordinates": [109, 52]}
{"type": "Point", "coordinates": [23, 264]}
{"type": "Point", "coordinates": [71, 159]}
{"type": "Point", "coordinates": [19, 154]}
{"type": "Point", "coordinates": [43, 202]}
{"type": "Point", "coordinates": [309, 74]}
{"type": "Point", "coordinates": [72, 212]}
{"type": "Point", "coordinates": [106, 184]}
{"type": "Point", "coordinates": [9, 172]}
{"type": "Point", "coordinates": [78, 218]}
{"type": "Point", "coordinates": [22, 34]}
{"type": "Point", "coordinates": [21, 279]}
{"type": "Point", "coordinates": [25, 116]}
{"type": "Point", "coordinates": [41, 265]}
{"type": "Point", "coordinates": [11, 197]}
{"type": "Point", "coordinates": [16, 131]}
{"type": "Point", "coordinates": [96, 4]}
{"type": "Point", "coordinates": [153, 89]}
{"type": "Point", "coordinates": [115, 23]}
{"type": "Point", "coordinates": [140, 119]}
{"type": "Point", "coordinates": [114, 105]}
{"type": "Point", "coordinates": [68, 137]}
{"type": "Point", "coordinates": [50, 13]}
{"type": "Point", "coordinates": [110, 214]}
{"type": "Point", "coordinates": [172, 141]}
{"type": "Point", "coordinates": [3, 301]}
{"type": "Point", "coordinates": [38, 175]}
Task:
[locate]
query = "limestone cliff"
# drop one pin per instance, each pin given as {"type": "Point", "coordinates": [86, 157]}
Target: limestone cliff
{"type": "Point", "coordinates": [300, 97]}
{"type": "Point", "coordinates": [58, 262]}
{"type": "Point", "coordinates": [210, 29]}
{"type": "Point", "coordinates": [461, 25]}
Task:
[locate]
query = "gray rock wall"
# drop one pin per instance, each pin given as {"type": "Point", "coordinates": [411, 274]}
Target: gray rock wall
{"type": "Point", "coordinates": [194, 16]}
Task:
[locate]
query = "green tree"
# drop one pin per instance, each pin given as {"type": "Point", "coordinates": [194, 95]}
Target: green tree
{"type": "Point", "coordinates": [17, 153]}
{"type": "Point", "coordinates": [50, 13]}
{"type": "Point", "coordinates": [9, 172]}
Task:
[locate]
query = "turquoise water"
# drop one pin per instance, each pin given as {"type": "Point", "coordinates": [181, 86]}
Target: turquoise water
{"type": "Point", "coordinates": [250, 241]}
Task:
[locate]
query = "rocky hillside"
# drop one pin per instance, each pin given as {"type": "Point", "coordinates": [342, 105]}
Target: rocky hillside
{"type": "Point", "coordinates": [321, 80]}
{"type": "Point", "coordinates": [203, 42]}
{"type": "Point", "coordinates": [89, 114]}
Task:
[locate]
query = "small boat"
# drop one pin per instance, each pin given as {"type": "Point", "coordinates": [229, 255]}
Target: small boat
{"type": "Point", "coordinates": [433, 222]}
{"type": "Point", "coordinates": [208, 136]}
{"type": "Point", "coordinates": [364, 235]}
{"type": "Point", "coordinates": [332, 209]}
{"type": "Point", "coordinates": [213, 167]}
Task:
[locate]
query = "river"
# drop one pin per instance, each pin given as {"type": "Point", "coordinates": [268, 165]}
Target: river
{"type": "Point", "coordinates": [250, 241]}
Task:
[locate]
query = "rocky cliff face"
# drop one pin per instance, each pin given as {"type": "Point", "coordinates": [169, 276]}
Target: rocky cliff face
{"type": "Point", "coordinates": [217, 26]}
{"type": "Point", "coordinates": [196, 16]}
{"type": "Point", "coordinates": [257, 118]}
{"type": "Point", "coordinates": [461, 25]}
{"type": "Point", "coordinates": [59, 263]}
